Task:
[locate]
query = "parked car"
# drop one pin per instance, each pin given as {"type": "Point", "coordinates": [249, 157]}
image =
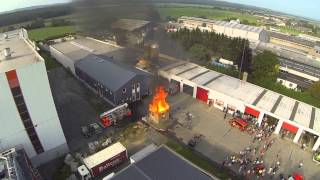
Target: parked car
{"type": "Point", "coordinates": [85, 131]}
{"type": "Point", "coordinates": [95, 128]}
{"type": "Point", "coordinates": [239, 123]}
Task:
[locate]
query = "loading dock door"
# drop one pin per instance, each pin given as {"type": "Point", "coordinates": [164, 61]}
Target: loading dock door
{"type": "Point", "coordinates": [252, 112]}
{"type": "Point", "coordinates": [175, 85]}
{"type": "Point", "coordinates": [290, 127]}
{"type": "Point", "coordinates": [188, 89]}
{"type": "Point", "coordinates": [202, 94]}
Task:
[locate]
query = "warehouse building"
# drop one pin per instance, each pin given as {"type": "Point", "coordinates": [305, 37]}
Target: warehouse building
{"type": "Point", "coordinates": [228, 93]}
{"type": "Point", "coordinates": [162, 163]}
{"type": "Point", "coordinates": [135, 30]}
{"type": "Point", "coordinates": [69, 52]}
{"type": "Point", "coordinates": [297, 70]}
{"type": "Point", "coordinates": [98, 65]}
{"type": "Point", "coordinates": [231, 29]}
{"type": "Point", "coordinates": [27, 110]}
{"type": "Point", "coordinates": [15, 164]}
{"type": "Point", "coordinates": [115, 82]}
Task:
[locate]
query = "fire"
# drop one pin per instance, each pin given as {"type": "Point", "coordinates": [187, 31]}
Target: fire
{"type": "Point", "coordinates": [159, 104]}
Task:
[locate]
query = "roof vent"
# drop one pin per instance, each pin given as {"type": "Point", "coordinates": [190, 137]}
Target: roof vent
{"type": "Point", "coordinates": [7, 53]}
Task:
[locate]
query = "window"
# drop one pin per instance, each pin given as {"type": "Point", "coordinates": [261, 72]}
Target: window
{"type": "Point", "coordinates": [18, 100]}
{"type": "Point", "coordinates": [22, 108]}
{"type": "Point", "coordinates": [16, 91]}
{"type": "Point", "coordinates": [290, 85]}
{"type": "Point", "coordinates": [124, 90]}
{"type": "Point", "coordinates": [25, 115]}
{"type": "Point", "coordinates": [28, 124]}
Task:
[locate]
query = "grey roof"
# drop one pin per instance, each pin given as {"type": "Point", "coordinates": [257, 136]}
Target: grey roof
{"type": "Point", "coordinates": [129, 24]}
{"type": "Point", "coordinates": [107, 72]}
{"type": "Point", "coordinates": [162, 164]}
{"type": "Point", "coordinates": [294, 39]}
{"type": "Point", "coordinates": [224, 23]}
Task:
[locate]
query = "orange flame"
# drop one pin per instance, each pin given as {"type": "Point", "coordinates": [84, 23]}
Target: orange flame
{"type": "Point", "coordinates": [159, 104]}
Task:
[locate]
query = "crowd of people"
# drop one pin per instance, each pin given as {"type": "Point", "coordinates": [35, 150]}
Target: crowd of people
{"type": "Point", "coordinates": [249, 162]}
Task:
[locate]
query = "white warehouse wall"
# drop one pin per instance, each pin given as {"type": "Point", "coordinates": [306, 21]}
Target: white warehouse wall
{"type": "Point", "coordinates": [38, 97]}
{"type": "Point", "coordinates": [12, 129]}
{"type": "Point", "coordinates": [62, 59]}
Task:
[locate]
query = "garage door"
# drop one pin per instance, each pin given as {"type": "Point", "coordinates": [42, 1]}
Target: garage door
{"type": "Point", "coordinates": [290, 127]}
{"type": "Point", "coordinates": [188, 89]}
{"type": "Point", "coordinates": [202, 94]}
{"type": "Point", "coordinates": [175, 84]}
{"type": "Point", "coordinates": [252, 111]}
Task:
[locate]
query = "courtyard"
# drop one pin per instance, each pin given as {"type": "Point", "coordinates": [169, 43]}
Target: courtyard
{"type": "Point", "coordinates": [221, 140]}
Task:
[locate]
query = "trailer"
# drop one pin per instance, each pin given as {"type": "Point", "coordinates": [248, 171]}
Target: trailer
{"type": "Point", "coordinates": [103, 160]}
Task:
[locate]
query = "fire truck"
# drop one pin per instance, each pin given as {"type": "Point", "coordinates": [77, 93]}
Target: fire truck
{"type": "Point", "coordinates": [113, 116]}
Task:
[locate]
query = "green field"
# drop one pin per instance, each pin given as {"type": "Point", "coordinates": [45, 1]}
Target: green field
{"type": "Point", "coordinates": [207, 12]}
{"type": "Point", "coordinates": [50, 32]}
{"type": "Point", "coordinates": [291, 31]}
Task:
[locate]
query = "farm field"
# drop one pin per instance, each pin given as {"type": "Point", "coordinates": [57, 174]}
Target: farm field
{"type": "Point", "coordinates": [207, 12]}
{"type": "Point", "coordinates": [48, 32]}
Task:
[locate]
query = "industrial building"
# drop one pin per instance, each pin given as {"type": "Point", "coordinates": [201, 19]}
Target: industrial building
{"type": "Point", "coordinates": [231, 29]}
{"type": "Point", "coordinates": [15, 164]}
{"type": "Point", "coordinates": [135, 30]}
{"type": "Point", "coordinates": [297, 70]}
{"type": "Point", "coordinates": [27, 110]}
{"type": "Point", "coordinates": [98, 65]}
{"type": "Point", "coordinates": [131, 25]}
{"type": "Point", "coordinates": [115, 82]}
{"type": "Point", "coordinates": [162, 163]}
{"type": "Point", "coordinates": [232, 94]}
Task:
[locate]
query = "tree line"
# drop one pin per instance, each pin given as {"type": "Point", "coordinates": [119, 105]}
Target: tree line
{"type": "Point", "coordinates": [204, 45]}
{"type": "Point", "coordinates": [39, 13]}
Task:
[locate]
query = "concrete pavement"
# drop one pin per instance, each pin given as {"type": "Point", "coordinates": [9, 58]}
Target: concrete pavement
{"type": "Point", "coordinates": [221, 140]}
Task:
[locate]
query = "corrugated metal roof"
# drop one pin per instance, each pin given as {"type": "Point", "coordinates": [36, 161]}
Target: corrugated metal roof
{"type": "Point", "coordinates": [162, 164]}
{"type": "Point", "coordinates": [107, 72]}
{"type": "Point", "coordinates": [269, 101]}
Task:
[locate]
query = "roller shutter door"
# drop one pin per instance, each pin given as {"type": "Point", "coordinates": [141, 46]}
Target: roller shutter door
{"type": "Point", "coordinates": [202, 94]}
{"type": "Point", "coordinates": [188, 89]}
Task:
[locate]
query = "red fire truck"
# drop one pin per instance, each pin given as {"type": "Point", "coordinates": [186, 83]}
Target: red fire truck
{"type": "Point", "coordinates": [114, 115]}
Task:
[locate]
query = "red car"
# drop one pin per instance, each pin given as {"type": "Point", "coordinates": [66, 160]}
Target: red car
{"type": "Point", "coordinates": [239, 123]}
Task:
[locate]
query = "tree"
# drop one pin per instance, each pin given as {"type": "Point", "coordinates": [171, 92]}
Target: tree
{"type": "Point", "coordinates": [199, 52]}
{"type": "Point", "coordinates": [265, 68]}
{"type": "Point", "coordinates": [315, 90]}
{"type": "Point", "coordinates": [59, 22]}
{"type": "Point", "coordinates": [38, 23]}
{"type": "Point", "coordinates": [245, 58]}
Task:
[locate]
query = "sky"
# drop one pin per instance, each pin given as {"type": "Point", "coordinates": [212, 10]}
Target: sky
{"type": "Point", "coordinates": [8, 5]}
{"type": "Point", "coordinates": [304, 8]}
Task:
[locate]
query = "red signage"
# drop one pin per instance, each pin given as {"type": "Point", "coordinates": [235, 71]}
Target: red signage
{"type": "Point", "coordinates": [290, 127]}
{"type": "Point", "coordinates": [252, 112]}
{"type": "Point", "coordinates": [109, 163]}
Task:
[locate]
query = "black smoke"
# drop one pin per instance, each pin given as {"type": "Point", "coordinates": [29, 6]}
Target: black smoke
{"type": "Point", "coordinates": [96, 16]}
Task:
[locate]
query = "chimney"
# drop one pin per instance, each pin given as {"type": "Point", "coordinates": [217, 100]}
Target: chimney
{"type": "Point", "coordinates": [7, 53]}
{"type": "Point", "coordinates": [5, 36]}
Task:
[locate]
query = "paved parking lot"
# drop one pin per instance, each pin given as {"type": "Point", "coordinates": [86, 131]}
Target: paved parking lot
{"type": "Point", "coordinates": [221, 140]}
{"type": "Point", "coordinates": [76, 105]}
